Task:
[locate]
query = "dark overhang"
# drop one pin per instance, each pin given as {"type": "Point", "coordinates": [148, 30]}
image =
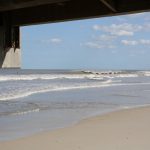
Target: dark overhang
{"type": "Point", "coordinates": [26, 12]}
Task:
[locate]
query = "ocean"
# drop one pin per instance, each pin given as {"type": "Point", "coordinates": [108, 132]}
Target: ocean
{"type": "Point", "coordinates": [33, 101]}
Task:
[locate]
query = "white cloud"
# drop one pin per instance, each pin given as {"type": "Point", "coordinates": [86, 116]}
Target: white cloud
{"type": "Point", "coordinates": [124, 33]}
{"type": "Point", "coordinates": [127, 42]}
{"type": "Point", "coordinates": [124, 29]}
{"type": "Point", "coordinates": [96, 27]}
{"type": "Point", "coordinates": [97, 45]}
{"type": "Point", "coordinates": [136, 42]}
{"type": "Point", "coordinates": [104, 38]}
{"type": "Point", "coordinates": [145, 42]}
{"type": "Point", "coordinates": [102, 41]}
{"type": "Point", "coordinates": [94, 45]}
{"type": "Point", "coordinates": [52, 41]}
{"type": "Point", "coordinates": [111, 46]}
{"type": "Point", "coordinates": [55, 40]}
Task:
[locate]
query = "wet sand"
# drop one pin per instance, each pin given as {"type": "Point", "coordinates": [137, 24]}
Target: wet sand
{"type": "Point", "coordinates": [122, 130]}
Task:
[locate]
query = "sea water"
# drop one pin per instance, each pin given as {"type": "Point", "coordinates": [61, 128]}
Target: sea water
{"type": "Point", "coordinates": [33, 101]}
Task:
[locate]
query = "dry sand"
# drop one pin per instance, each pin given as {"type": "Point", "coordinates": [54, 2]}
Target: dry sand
{"type": "Point", "coordinates": [122, 130]}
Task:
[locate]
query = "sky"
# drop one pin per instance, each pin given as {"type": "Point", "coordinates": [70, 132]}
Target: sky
{"type": "Point", "coordinates": [121, 42]}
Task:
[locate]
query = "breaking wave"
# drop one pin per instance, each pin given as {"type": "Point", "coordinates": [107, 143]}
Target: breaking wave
{"type": "Point", "coordinates": [24, 91]}
{"type": "Point", "coordinates": [94, 75]}
{"type": "Point", "coordinates": [39, 77]}
{"type": "Point", "coordinates": [14, 86]}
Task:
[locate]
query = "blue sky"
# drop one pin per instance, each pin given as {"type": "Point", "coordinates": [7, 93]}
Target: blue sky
{"type": "Point", "coordinates": [121, 42]}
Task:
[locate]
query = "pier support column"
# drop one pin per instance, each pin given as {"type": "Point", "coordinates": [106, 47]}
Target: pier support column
{"type": "Point", "coordinates": [10, 55]}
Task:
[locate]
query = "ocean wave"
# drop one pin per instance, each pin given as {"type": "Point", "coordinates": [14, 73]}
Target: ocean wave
{"type": "Point", "coordinates": [27, 91]}
{"type": "Point", "coordinates": [44, 77]}
{"type": "Point", "coordinates": [112, 74]}
{"type": "Point", "coordinates": [82, 75]}
{"type": "Point", "coordinates": [127, 75]}
{"type": "Point", "coordinates": [35, 77]}
{"type": "Point", "coordinates": [96, 78]}
{"type": "Point", "coordinates": [143, 73]}
{"type": "Point", "coordinates": [25, 112]}
{"type": "Point", "coordinates": [14, 90]}
{"type": "Point", "coordinates": [146, 73]}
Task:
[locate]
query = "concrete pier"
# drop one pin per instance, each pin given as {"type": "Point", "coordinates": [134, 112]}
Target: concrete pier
{"type": "Point", "coordinates": [10, 54]}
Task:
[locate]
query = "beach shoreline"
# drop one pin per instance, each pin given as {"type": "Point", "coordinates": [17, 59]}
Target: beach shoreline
{"type": "Point", "coordinates": [123, 129]}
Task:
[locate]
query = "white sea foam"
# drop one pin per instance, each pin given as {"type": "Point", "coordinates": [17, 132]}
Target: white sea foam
{"type": "Point", "coordinates": [43, 77]}
{"type": "Point", "coordinates": [115, 74]}
{"type": "Point", "coordinates": [13, 90]}
{"type": "Point", "coordinates": [36, 77]}
{"type": "Point", "coordinates": [25, 112]}
{"type": "Point", "coordinates": [144, 73]}
{"type": "Point", "coordinates": [26, 90]}
{"type": "Point", "coordinates": [147, 73]}
{"type": "Point", "coordinates": [83, 75]}
{"type": "Point", "coordinates": [126, 75]}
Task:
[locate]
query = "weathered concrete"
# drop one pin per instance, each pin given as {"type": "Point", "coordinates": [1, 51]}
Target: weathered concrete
{"type": "Point", "coordinates": [12, 59]}
{"type": "Point", "coordinates": [9, 57]}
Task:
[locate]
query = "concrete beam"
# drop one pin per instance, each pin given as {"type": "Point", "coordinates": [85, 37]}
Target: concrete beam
{"type": "Point", "coordinates": [10, 55]}
{"type": "Point", "coordinates": [132, 6]}
{"type": "Point", "coordinates": [75, 10]}
{"type": "Point", "coordinates": [109, 4]}
{"type": "Point", "coordinates": [71, 10]}
{"type": "Point", "coordinates": [7, 5]}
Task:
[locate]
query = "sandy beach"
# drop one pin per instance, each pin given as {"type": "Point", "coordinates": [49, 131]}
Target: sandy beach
{"type": "Point", "coordinates": [122, 130]}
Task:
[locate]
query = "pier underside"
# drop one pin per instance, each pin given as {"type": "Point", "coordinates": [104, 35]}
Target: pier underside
{"type": "Point", "coordinates": [10, 55]}
{"type": "Point", "coordinates": [16, 13]}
